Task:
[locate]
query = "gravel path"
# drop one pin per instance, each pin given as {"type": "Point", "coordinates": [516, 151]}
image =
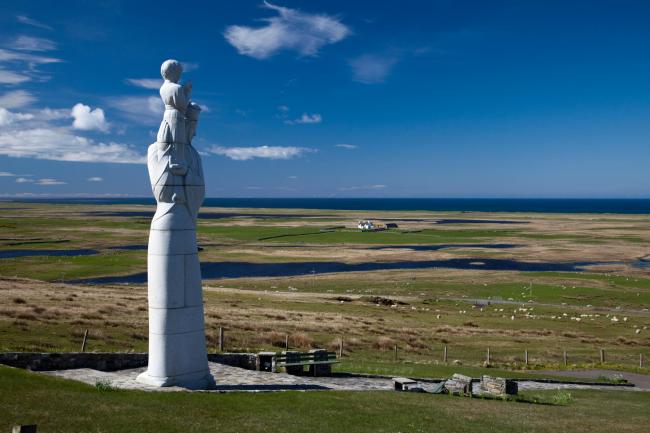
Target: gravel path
{"type": "Point", "coordinates": [237, 379]}
{"type": "Point", "coordinates": [641, 381]}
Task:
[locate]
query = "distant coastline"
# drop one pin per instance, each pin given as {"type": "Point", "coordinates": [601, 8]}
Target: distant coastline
{"type": "Point", "coordinates": [619, 206]}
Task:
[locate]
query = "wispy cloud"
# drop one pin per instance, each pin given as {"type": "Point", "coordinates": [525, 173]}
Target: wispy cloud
{"type": "Point", "coordinates": [95, 179]}
{"type": "Point", "coordinates": [16, 99]}
{"type": "Point", "coordinates": [32, 22]}
{"type": "Point", "coordinates": [31, 43]}
{"type": "Point", "coordinates": [49, 182]}
{"type": "Point", "coordinates": [145, 83]}
{"type": "Point", "coordinates": [146, 110]}
{"type": "Point", "coordinates": [24, 180]}
{"type": "Point", "coordinates": [189, 66]}
{"type": "Point", "coordinates": [10, 77]}
{"type": "Point", "coordinates": [305, 119]}
{"type": "Point", "coordinates": [267, 152]}
{"type": "Point", "coordinates": [364, 187]}
{"type": "Point", "coordinates": [7, 174]}
{"type": "Point", "coordinates": [20, 64]}
{"type": "Point", "coordinates": [31, 59]}
{"type": "Point", "coordinates": [346, 146]}
{"type": "Point", "coordinates": [291, 29]}
{"type": "Point", "coordinates": [372, 69]}
{"type": "Point", "coordinates": [87, 119]}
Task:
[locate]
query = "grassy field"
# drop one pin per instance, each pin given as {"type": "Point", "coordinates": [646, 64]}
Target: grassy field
{"type": "Point", "coordinates": [62, 406]}
{"type": "Point", "coordinates": [419, 311]}
{"type": "Point", "coordinates": [392, 321]}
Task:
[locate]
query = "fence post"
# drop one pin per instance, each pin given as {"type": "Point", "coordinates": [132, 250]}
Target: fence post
{"type": "Point", "coordinates": [286, 342]}
{"type": "Point", "coordinates": [640, 360]}
{"type": "Point", "coordinates": [341, 348]}
{"type": "Point", "coordinates": [487, 357]}
{"type": "Point", "coordinates": [526, 357]}
{"type": "Point", "coordinates": [221, 339]}
{"type": "Point", "coordinates": [83, 343]}
{"type": "Point", "coordinates": [565, 358]}
{"type": "Point", "coordinates": [602, 356]}
{"type": "Point", "coordinates": [396, 352]}
{"type": "Point", "coordinates": [444, 354]}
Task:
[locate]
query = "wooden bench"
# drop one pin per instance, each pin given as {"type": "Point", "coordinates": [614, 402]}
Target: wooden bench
{"type": "Point", "coordinates": [319, 361]}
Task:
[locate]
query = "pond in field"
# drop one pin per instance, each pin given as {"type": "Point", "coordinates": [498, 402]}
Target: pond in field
{"type": "Point", "coordinates": [129, 247]}
{"type": "Point", "coordinates": [215, 270]}
{"type": "Point", "coordinates": [209, 215]}
{"type": "Point", "coordinates": [10, 254]}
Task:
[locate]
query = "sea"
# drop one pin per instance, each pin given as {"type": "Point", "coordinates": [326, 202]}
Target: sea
{"type": "Point", "coordinates": [545, 205]}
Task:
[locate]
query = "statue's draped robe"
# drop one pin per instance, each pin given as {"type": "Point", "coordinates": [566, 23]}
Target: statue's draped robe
{"type": "Point", "coordinates": [177, 353]}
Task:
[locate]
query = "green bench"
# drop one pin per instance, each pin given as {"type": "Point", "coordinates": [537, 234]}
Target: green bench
{"type": "Point", "coordinates": [319, 362]}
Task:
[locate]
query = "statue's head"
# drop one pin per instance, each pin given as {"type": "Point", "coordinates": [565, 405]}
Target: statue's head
{"type": "Point", "coordinates": [171, 70]}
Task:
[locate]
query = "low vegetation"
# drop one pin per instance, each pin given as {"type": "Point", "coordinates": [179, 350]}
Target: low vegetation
{"type": "Point", "coordinates": [57, 405]}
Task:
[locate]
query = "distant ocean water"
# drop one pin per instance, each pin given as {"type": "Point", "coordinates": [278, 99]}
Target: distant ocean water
{"type": "Point", "coordinates": [621, 206]}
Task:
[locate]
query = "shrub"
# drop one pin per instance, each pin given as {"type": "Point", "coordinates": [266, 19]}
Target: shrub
{"type": "Point", "coordinates": [19, 301]}
{"type": "Point", "coordinates": [301, 340]}
{"type": "Point", "coordinates": [385, 343]}
{"type": "Point", "coordinates": [104, 385]}
{"type": "Point", "coordinates": [562, 398]}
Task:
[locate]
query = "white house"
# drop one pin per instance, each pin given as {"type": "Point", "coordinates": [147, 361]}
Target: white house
{"type": "Point", "coordinates": [366, 225]}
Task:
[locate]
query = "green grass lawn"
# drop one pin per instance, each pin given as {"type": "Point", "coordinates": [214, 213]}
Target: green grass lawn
{"type": "Point", "coordinates": [57, 405]}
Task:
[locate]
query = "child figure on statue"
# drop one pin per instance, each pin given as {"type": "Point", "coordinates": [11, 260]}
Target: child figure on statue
{"type": "Point", "coordinates": [173, 128]}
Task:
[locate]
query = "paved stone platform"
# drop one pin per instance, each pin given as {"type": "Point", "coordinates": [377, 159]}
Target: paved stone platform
{"type": "Point", "coordinates": [234, 379]}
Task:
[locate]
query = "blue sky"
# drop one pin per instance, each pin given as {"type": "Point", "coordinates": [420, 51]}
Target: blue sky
{"type": "Point", "coordinates": [332, 98]}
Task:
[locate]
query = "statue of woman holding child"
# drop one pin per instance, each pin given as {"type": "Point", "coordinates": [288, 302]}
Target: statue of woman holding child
{"type": "Point", "coordinates": [177, 353]}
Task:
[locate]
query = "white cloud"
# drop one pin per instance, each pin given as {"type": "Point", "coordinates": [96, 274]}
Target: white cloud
{"type": "Point", "coordinates": [95, 179]}
{"type": "Point", "coordinates": [87, 119]}
{"type": "Point", "coordinates": [305, 119]}
{"type": "Point", "coordinates": [293, 177]}
{"type": "Point", "coordinates": [32, 22]}
{"type": "Point", "coordinates": [47, 114]}
{"type": "Point", "coordinates": [24, 180]}
{"type": "Point", "coordinates": [31, 59]}
{"type": "Point", "coordinates": [283, 108]}
{"type": "Point", "coordinates": [291, 30]}
{"type": "Point", "coordinates": [16, 98]}
{"type": "Point", "coordinates": [366, 187]}
{"type": "Point", "coordinates": [7, 117]}
{"type": "Point", "coordinates": [189, 66]}
{"type": "Point", "coordinates": [31, 43]}
{"type": "Point", "coordinates": [49, 182]}
{"type": "Point", "coordinates": [146, 83]}
{"type": "Point", "coordinates": [20, 64]}
{"type": "Point", "coordinates": [142, 109]}
{"type": "Point", "coordinates": [6, 174]}
{"type": "Point", "coordinates": [346, 146]}
{"type": "Point", "coordinates": [10, 77]}
{"type": "Point", "coordinates": [59, 144]}
{"type": "Point", "coordinates": [269, 152]}
{"type": "Point", "coordinates": [371, 69]}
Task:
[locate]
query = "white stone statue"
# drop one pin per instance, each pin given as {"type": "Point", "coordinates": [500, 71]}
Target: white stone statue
{"type": "Point", "coordinates": [177, 353]}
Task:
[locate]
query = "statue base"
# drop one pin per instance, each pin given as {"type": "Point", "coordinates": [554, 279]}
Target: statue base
{"type": "Point", "coordinates": [195, 381]}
